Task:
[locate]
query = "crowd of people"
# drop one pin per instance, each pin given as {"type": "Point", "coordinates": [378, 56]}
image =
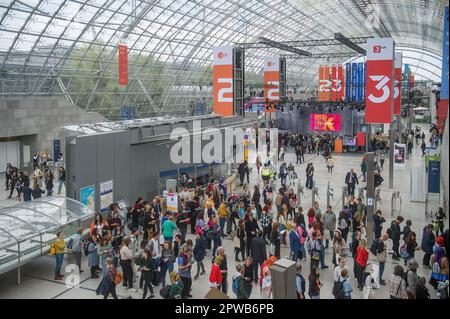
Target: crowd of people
{"type": "Point", "coordinates": [150, 246]}
{"type": "Point", "coordinates": [41, 181]}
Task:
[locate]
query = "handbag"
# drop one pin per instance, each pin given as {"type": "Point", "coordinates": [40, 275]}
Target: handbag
{"type": "Point", "coordinates": [118, 278]}
{"type": "Point", "coordinates": [236, 242]}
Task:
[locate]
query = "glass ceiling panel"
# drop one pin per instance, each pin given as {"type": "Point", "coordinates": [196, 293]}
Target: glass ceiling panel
{"type": "Point", "coordinates": [163, 35]}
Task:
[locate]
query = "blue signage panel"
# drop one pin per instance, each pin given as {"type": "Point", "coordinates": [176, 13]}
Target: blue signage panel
{"type": "Point", "coordinates": [348, 81]}
{"type": "Point", "coordinates": [444, 89]}
{"type": "Point", "coordinates": [354, 80]}
{"type": "Point", "coordinates": [359, 96]}
{"type": "Point", "coordinates": [434, 173]}
{"type": "Point", "coordinates": [56, 149]}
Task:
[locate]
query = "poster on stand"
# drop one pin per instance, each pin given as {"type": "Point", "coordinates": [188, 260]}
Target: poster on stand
{"type": "Point", "coordinates": [172, 202]}
{"type": "Point", "coordinates": [106, 195]}
{"type": "Point", "coordinates": [87, 196]}
{"type": "Point", "coordinates": [399, 155]}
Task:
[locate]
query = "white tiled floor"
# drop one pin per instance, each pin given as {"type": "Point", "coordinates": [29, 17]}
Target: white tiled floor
{"type": "Point", "coordinates": [37, 277]}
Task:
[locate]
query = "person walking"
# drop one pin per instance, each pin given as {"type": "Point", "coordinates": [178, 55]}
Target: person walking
{"type": "Point", "coordinates": [364, 169]}
{"type": "Point", "coordinates": [378, 221]}
{"type": "Point", "coordinates": [148, 267]}
{"type": "Point", "coordinates": [395, 236]}
{"type": "Point", "coordinates": [199, 253]}
{"type": "Point", "coordinates": [382, 256]}
{"type": "Point", "coordinates": [239, 241]}
{"type": "Point", "coordinates": [330, 164]}
{"type": "Point", "coordinates": [309, 176]}
{"type": "Point", "coordinates": [329, 225]}
{"type": "Point", "coordinates": [428, 240]}
{"type": "Point", "coordinates": [314, 283]}
{"type": "Point", "coordinates": [184, 270]}
{"type": "Point", "coordinates": [108, 285]}
{"type": "Point", "coordinates": [351, 179]}
{"type": "Point", "coordinates": [294, 243]}
{"type": "Point", "coordinates": [61, 178]}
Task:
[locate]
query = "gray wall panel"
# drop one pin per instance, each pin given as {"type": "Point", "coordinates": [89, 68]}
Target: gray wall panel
{"type": "Point", "coordinates": [122, 158]}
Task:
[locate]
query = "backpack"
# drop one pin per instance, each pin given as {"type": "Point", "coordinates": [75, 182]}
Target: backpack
{"type": "Point", "coordinates": [164, 291]}
{"type": "Point", "coordinates": [338, 289]}
{"type": "Point", "coordinates": [52, 249]}
{"type": "Point", "coordinates": [374, 247]}
{"type": "Point", "coordinates": [234, 286]}
{"type": "Point", "coordinates": [86, 248]}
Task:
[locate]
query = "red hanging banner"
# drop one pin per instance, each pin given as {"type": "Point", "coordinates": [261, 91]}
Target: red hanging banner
{"type": "Point", "coordinates": [334, 83]}
{"type": "Point", "coordinates": [379, 81]}
{"type": "Point", "coordinates": [340, 85]}
{"type": "Point", "coordinates": [361, 139]}
{"type": "Point", "coordinates": [123, 64]}
{"type": "Point", "coordinates": [398, 83]}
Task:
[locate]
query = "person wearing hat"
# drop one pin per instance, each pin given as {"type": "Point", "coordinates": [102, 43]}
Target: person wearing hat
{"type": "Point", "coordinates": [439, 249]}
{"type": "Point", "coordinates": [184, 270]}
{"type": "Point", "coordinates": [215, 277]}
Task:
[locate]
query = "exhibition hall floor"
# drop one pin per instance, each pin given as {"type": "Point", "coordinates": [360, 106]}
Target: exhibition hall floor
{"type": "Point", "coordinates": [37, 276]}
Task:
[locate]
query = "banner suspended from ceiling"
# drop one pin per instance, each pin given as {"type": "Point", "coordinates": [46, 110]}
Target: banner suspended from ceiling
{"type": "Point", "coordinates": [397, 83]}
{"type": "Point", "coordinates": [123, 64]}
{"type": "Point", "coordinates": [223, 80]}
{"type": "Point", "coordinates": [271, 83]}
{"type": "Point", "coordinates": [380, 74]}
{"type": "Point", "coordinates": [348, 81]}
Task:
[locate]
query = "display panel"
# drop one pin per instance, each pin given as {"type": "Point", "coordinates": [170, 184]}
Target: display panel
{"type": "Point", "coordinates": [349, 141]}
{"type": "Point", "coordinates": [325, 122]}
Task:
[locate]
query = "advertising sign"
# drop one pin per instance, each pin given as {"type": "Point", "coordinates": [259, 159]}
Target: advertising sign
{"type": "Point", "coordinates": [397, 83]}
{"type": "Point", "coordinates": [172, 202]}
{"type": "Point", "coordinates": [434, 173]}
{"type": "Point", "coordinates": [56, 149]}
{"type": "Point", "coordinates": [223, 81]}
{"type": "Point", "coordinates": [444, 78]}
{"type": "Point", "coordinates": [325, 122]}
{"type": "Point", "coordinates": [349, 141]}
{"type": "Point", "coordinates": [359, 90]}
{"type": "Point", "coordinates": [399, 155]}
{"type": "Point", "coordinates": [380, 73]}
{"type": "Point", "coordinates": [361, 139]}
{"type": "Point", "coordinates": [365, 80]}
{"type": "Point", "coordinates": [348, 81]}
{"type": "Point", "coordinates": [337, 82]}
{"type": "Point", "coordinates": [87, 196]}
{"type": "Point", "coordinates": [106, 195]}
{"type": "Point", "coordinates": [354, 80]}
{"type": "Point", "coordinates": [324, 83]}
{"type": "Point", "coordinates": [123, 64]}
{"type": "Point", "coordinates": [271, 81]}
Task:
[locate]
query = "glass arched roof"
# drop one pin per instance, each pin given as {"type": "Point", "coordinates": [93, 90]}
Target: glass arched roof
{"type": "Point", "coordinates": [69, 47]}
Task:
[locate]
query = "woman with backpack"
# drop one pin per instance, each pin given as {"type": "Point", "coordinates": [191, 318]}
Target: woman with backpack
{"type": "Point", "coordinates": [108, 284]}
{"type": "Point", "coordinates": [397, 284]}
{"type": "Point", "coordinates": [166, 261]}
{"type": "Point", "coordinates": [148, 267]}
{"type": "Point", "coordinates": [343, 224]}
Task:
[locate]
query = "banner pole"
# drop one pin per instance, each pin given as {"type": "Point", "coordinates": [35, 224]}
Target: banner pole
{"type": "Point", "coordinates": [391, 155]}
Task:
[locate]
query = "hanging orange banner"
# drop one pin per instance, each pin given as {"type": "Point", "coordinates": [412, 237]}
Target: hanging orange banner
{"type": "Point", "coordinates": [324, 83]}
{"type": "Point", "coordinates": [123, 64]}
{"type": "Point", "coordinates": [271, 83]}
{"type": "Point", "coordinates": [223, 81]}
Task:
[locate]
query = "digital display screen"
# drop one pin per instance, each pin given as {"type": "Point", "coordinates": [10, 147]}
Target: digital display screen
{"type": "Point", "coordinates": [325, 122]}
{"type": "Point", "coordinates": [349, 141]}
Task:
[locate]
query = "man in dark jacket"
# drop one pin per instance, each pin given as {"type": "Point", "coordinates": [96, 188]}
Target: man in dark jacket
{"type": "Point", "coordinates": [395, 236]}
{"type": "Point", "coordinates": [351, 179]}
{"type": "Point", "coordinates": [355, 244]}
{"type": "Point", "coordinates": [259, 254]}
{"type": "Point", "coordinates": [378, 221]}
{"type": "Point", "coordinates": [251, 227]}
{"type": "Point", "coordinates": [199, 253]}
{"type": "Point", "coordinates": [241, 171]}
{"type": "Point", "coordinates": [428, 240]}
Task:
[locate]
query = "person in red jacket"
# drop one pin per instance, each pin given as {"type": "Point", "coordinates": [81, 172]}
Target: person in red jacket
{"type": "Point", "coordinates": [362, 255]}
{"type": "Point", "coordinates": [215, 278]}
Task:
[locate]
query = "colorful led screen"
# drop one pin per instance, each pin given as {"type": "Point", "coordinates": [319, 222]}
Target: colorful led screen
{"type": "Point", "coordinates": [325, 122]}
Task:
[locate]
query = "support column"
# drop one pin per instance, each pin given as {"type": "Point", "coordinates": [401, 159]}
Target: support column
{"type": "Point", "coordinates": [391, 156]}
{"type": "Point", "coordinates": [370, 198]}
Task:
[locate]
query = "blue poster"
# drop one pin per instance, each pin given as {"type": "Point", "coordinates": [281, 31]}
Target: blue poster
{"type": "Point", "coordinates": [348, 81]}
{"type": "Point", "coordinates": [56, 149]}
{"type": "Point", "coordinates": [360, 82]}
{"type": "Point", "coordinates": [354, 80]}
{"type": "Point", "coordinates": [434, 173]}
{"type": "Point", "coordinates": [444, 89]}
{"type": "Point", "coordinates": [87, 196]}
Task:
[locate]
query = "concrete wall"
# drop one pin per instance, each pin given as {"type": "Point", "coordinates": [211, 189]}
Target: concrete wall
{"type": "Point", "coordinates": [137, 160]}
{"type": "Point", "coordinates": [38, 121]}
